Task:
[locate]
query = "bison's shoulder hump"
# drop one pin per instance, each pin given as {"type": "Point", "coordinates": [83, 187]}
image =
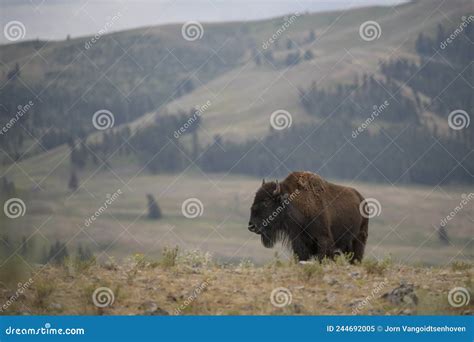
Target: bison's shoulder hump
{"type": "Point", "coordinates": [308, 181]}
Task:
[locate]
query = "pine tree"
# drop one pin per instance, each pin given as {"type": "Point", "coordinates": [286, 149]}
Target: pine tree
{"type": "Point", "coordinates": [73, 181]}
{"type": "Point", "coordinates": [154, 211]}
{"type": "Point", "coordinates": [443, 235]}
{"type": "Point", "coordinates": [308, 55]}
{"type": "Point", "coordinates": [257, 59]}
{"type": "Point", "coordinates": [13, 74]}
{"type": "Point", "coordinates": [84, 253]}
{"type": "Point", "coordinates": [289, 44]}
{"type": "Point", "coordinates": [57, 253]}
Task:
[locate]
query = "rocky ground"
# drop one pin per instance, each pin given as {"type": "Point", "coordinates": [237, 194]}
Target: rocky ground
{"type": "Point", "coordinates": [192, 284]}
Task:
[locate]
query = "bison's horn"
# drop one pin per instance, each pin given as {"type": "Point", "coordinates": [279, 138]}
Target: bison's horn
{"type": "Point", "coordinates": [277, 189]}
{"type": "Point", "coordinates": [263, 181]}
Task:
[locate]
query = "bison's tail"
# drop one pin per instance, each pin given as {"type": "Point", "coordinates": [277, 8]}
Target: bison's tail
{"type": "Point", "coordinates": [358, 244]}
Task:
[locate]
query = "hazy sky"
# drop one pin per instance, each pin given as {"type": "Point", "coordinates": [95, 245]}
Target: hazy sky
{"type": "Point", "coordinates": [55, 19]}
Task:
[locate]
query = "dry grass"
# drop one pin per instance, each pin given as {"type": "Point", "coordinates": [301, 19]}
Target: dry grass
{"type": "Point", "coordinates": [328, 288]}
{"type": "Point", "coordinates": [379, 267]}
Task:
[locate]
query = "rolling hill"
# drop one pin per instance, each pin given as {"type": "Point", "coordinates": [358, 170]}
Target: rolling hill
{"type": "Point", "coordinates": [143, 73]}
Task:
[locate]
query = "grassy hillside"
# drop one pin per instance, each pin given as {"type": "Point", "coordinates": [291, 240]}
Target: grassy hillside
{"type": "Point", "coordinates": [193, 284]}
{"type": "Point", "coordinates": [340, 54]}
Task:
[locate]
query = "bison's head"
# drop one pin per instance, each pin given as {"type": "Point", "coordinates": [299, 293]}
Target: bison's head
{"type": "Point", "coordinates": [268, 212]}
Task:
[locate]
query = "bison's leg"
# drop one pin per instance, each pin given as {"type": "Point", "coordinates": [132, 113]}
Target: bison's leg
{"type": "Point", "coordinates": [320, 232]}
{"type": "Point", "coordinates": [300, 249]}
{"type": "Point", "coordinates": [359, 241]}
{"type": "Point", "coordinates": [346, 247]}
{"type": "Point", "coordinates": [325, 247]}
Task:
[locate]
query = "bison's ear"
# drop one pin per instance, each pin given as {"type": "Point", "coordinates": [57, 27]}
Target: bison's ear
{"type": "Point", "coordinates": [277, 190]}
{"type": "Point", "coordinates": [263, 182]}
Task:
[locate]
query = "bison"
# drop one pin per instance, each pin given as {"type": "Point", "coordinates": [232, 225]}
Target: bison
{"type": "Point", "coordinates": [311, 216]}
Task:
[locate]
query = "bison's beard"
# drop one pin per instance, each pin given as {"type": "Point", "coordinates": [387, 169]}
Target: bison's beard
{"type": "Point", "coordinates": [268, 241]}
{"type": "Point", "coordinates": [269, 238]}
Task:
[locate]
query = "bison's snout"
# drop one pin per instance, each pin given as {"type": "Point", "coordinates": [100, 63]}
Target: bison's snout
{"type": "Point", "coordinates": [253, 228]}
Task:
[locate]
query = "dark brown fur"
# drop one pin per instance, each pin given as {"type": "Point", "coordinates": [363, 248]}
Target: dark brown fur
{"type": "Point", "coordinates": [314, 217]}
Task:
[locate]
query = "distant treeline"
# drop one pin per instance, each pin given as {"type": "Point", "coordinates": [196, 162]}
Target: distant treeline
{"type": "Point", "coordinates": [414, 154]}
